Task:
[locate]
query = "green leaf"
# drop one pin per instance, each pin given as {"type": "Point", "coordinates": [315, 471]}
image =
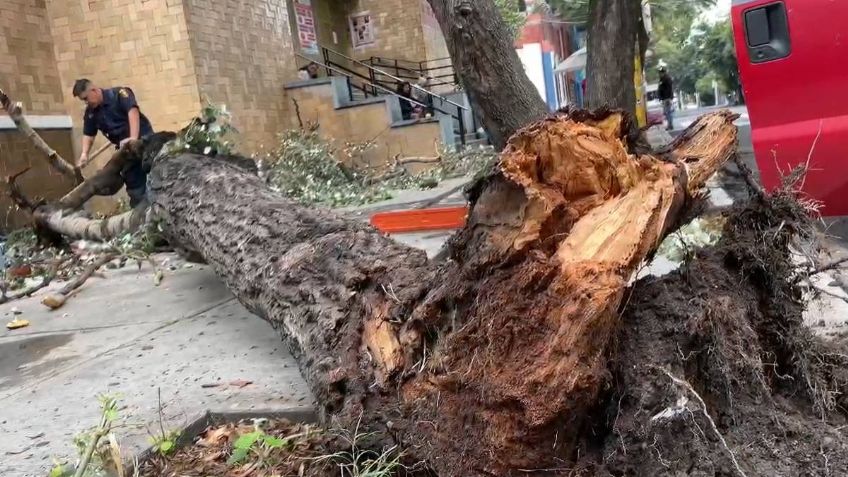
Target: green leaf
{"type": "Point", "coordinates": [246, 441]}
{"type": "Point", "coordinates": [238, 455]}
{"type": "Point", "coordinates": [274, 442]}
{"type": "Point", "coordinates": [166, 446]}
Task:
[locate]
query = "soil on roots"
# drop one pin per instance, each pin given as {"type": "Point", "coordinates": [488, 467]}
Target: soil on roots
{"type": "Point", "coordinates": [715, 370]}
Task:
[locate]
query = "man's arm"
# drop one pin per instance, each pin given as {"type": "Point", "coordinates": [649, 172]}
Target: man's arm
{"type": "Point", "coordinates": [135, 123]}
{"type": "Point", "coordinates": [89, 130]}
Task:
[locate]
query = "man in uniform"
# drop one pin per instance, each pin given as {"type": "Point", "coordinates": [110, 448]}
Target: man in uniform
{"type": "Point", "coordinates": [115, 113]}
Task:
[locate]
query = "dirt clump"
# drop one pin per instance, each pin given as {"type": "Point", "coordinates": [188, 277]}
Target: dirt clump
{"type": "Point", "coordinates": [715, 372]}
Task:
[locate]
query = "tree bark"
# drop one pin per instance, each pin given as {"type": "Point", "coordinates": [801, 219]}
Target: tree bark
{"type": "Point", "coordinates": [483, 53]}
{"type": "Point", "coordinates": [611, 50]}
{"type": "Point", "coordinates": [488, 363]}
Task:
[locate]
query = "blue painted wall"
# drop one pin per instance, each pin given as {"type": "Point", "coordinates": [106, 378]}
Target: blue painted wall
{"type": "Point", "coordinates": [550, 84]}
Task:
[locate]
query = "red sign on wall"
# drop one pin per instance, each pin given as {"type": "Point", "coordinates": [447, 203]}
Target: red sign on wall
{"type": "Point", "coordinates": [306, 26]}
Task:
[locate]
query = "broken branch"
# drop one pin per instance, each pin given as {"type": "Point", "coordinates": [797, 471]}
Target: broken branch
{"type": "Point", "coordinates": [56, 300]}
{"type": "Point", "coordinates": [15, 111]}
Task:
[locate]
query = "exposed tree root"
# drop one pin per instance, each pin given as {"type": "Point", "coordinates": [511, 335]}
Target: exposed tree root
{"type": "Point", "coordinates": [730, 324]}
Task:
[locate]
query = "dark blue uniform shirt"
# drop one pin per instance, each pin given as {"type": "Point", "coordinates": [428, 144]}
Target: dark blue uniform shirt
{"type": "Point", "coordinates": [111, 117]}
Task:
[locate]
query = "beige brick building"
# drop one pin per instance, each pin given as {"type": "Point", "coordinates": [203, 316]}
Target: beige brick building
{"type": "Point", "coordinates": [175, 53]}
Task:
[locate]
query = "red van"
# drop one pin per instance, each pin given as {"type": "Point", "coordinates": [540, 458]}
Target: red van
{"type": "Point", "coordinates": [793, 63]}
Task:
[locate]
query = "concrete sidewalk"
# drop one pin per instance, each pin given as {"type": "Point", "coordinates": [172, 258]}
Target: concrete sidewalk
{"type": "Point", "coordinates": [187, 339]}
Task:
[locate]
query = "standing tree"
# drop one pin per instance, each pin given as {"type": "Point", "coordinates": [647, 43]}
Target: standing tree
{"type": "Point", "coordinates": [611, 53]}
{"type": "Point", "coordinates": [481, 46]}
{"type": "Point", "coordinates": [616, 34]}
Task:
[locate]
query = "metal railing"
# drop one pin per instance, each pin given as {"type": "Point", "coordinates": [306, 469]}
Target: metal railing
{"type": "Point", "coordinates": [441, 74]}
{"type": "Point", "coordinates": [366, 84]}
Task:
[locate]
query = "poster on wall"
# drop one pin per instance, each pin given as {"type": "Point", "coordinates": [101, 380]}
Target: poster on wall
{"type": "Point", "coordinates": [306, 26]}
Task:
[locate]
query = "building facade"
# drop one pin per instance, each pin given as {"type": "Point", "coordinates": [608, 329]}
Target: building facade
{"type": "Point", "coordinates": [176, 54]}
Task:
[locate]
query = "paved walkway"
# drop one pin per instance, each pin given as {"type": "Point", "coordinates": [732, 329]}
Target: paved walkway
{"type": "Point", "coordinates": [187, 339]}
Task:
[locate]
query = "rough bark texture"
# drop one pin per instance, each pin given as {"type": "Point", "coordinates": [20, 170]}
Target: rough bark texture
{"type": "Point", "coordinates": [484, 58]}
{"type": "Point", "coordinates": [15, 112]}
{"type": "Point", "coordinates": [486, 364]}
{"type": "Point", "coordinates": [611, 50]}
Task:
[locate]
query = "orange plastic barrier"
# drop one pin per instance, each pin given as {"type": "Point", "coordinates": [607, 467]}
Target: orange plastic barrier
{"type": "Point", "coordinates": [400, 221]}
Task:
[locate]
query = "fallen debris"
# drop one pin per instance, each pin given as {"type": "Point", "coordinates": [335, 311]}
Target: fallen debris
{"type": "Point", "coordinates": [17, 323]}
{"type": "Point", "coordinates": [56, 300]}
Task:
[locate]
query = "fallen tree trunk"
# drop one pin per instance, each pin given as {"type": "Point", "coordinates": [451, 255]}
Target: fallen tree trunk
{"type": "Point", "coordinates": [488, 363]}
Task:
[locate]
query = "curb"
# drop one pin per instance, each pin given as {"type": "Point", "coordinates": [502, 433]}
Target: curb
{"type": "Point", "coordinates": [216, 418]}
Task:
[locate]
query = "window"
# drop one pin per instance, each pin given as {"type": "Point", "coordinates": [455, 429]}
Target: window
{"type": "Point", "coordinates": [361, 29]}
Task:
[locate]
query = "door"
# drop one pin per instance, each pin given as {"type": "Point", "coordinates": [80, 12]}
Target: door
{"type": "Point", "coordinates": [793, 63]}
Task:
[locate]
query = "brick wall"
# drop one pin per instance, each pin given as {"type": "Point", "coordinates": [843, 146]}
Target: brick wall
{"type": "Point", "coordinates": [17, 153]}
{"type": "Point", "coordinates": [397, 29]}
{"type": "Point", "coordinates": [243, 56]}
{"type": "Point", "coordinates": [142, 44]}
{"type": "Point", "coordinates": [27, 66]}
{"type": "Point", "coordinates": [364, 123]}
{"type": "Point", "coordinates": [434, 42]}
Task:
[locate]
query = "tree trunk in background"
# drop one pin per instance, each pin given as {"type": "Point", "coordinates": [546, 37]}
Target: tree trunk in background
{"type": "Point", "coordinates": [481, 365]}
{"type": "Point", "coordinates": [611, 49]}
{"type": "Point", "coordinates": [483, 53]}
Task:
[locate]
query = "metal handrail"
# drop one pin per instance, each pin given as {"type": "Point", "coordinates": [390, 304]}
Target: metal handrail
{"type": "Point", "coordinates": [376, 60]}
{"type": "Point", "coordinates": [380, 58]}
{"type": "Point", "coordinates": [393, 77]}
{"type": "Point", "coordinates": [459, 116]}
{"type": "Point", "coordinates": [386, 90]}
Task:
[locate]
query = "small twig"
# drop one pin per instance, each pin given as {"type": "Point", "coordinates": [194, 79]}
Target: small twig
{"type": "Point", "coordinates": [684, 384]}
{"type": "Point", "coordinates": [161, 427]}
{"type": "Point", "coordinates": [810, 155]}
{"type": "Point", "coordinates": [444, 195]}
{"type": "Point", "coordinates": [297, 113]}
{"type": "Point", "coordinates": [15, 193]}
{"type": "Point", "coordinates": [417, 160]}
{"type": "Point", "coordinates": [824, 268]}
{"type": "Point", "coordinates": [748, 175]}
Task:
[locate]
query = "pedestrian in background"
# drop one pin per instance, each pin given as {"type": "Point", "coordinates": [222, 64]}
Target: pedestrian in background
{"type": "Point", "coordinates": [665, 92]}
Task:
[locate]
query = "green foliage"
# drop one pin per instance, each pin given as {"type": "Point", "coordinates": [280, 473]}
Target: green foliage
{"type": "Point", "coordinates": [305, 167]}
{"type": "Point", "coordinates": [209, 134]}
{"type": "Point", "coordinates": [693, 50]}
{"type": "Point", "coordinates": [109, 416]}
{"type": "Point", "coordinates": [718, 52]}
{"type": "Point", "coordinates": [166, 443]}
{"type": "Point", "coordinates": [255, 442]}
{"type": "Point", "coordinates": [20, 240]}
{"type": "Point", "coordinates": [513, 18]}
{"type": "Point", "coordinates": [701, 232]}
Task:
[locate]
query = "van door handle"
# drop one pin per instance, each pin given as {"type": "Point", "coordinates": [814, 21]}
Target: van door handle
{"type": "Point", "coordinates": [767, 32]}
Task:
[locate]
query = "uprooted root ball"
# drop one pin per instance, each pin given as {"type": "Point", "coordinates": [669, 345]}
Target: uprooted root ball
{"type": "Point", "coordinates": [715, 371]}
